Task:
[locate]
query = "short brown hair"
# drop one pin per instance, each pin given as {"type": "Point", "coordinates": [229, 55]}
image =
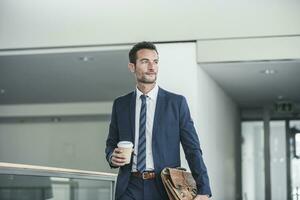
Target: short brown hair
{"type": "Point", "coordinates": [139, 46]}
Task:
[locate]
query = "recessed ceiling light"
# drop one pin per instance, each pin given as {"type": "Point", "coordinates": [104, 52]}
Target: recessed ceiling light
{"type": "Point", "coordinates": [280, 97]}
{"type": "Point", "coordinates": [56, 119]}
{"type": "Point", "coordinates": [2, 91]}
{"type": "Point", "coordinates": [86, 58]}
{"type": "Point", "coordinates": [269, 71]}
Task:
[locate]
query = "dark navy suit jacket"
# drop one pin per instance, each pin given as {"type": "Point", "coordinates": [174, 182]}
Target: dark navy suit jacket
{"type": "Point", "coordinates": [172, 125]}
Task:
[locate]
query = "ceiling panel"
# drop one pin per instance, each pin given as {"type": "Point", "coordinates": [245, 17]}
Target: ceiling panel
{"type": "Point", "coordinates": [246, 83]}
{"type": "Point", "coordinates": [64, 77]}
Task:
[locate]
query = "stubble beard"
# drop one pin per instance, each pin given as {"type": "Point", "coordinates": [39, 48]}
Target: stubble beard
{"type": "Point", "coordinates": [146, 80]}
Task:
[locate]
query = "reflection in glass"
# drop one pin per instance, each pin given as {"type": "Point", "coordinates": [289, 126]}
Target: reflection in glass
{"type": "Point", "coordinates": [25, 187]}
{"type": "Point", "coordinates": [297, 146]}
{"type": "Point", "coordinates": [20, 187]}
{"type": "Point", "coordinates": [295, 164]}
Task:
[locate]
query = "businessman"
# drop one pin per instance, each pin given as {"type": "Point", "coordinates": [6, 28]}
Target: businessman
{"type": "Point", "coordinates": [156, 122]}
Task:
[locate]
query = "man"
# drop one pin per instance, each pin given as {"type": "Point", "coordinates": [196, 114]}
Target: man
{"type": "Point", "coordinates": [155, 121]}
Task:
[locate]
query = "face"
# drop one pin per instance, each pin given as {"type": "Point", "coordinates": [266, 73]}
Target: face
{"type": "Point", "coordinates": [146, 66]}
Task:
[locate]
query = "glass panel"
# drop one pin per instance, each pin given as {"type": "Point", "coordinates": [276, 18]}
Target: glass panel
{"type": "Point", "coordinates": [24, 187]}
{"type": "Point", "coordinates": [90, 190]}
{"type": "Point", "coordinates": [295, 164]}
{"type": "Point", "coordinates": [278, 160]}
{"type": "Point", "coordinates": [253, 182]}
{"type": "Point", "coordinates": [20, 187]}
{"type": "Point", "coordinates": [297, 146]}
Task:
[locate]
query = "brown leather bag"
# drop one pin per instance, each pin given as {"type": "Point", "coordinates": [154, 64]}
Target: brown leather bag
{"type": "Point", "coordinates": [179, 184]}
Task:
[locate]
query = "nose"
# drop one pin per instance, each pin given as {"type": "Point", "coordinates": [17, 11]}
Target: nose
{"type": "Point", "coordinates": [151, 65]}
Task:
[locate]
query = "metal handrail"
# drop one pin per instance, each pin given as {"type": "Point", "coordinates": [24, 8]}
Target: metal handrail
{"type": "Point", "coordinates": [24, 169]}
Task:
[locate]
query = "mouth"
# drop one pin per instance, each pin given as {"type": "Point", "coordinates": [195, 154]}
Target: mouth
{"type": "Point", "coordinates": [150, 74]}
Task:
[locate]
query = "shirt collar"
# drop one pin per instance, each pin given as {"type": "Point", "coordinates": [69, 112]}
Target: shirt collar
{"type": "Point", "coordinates": [152, 94]}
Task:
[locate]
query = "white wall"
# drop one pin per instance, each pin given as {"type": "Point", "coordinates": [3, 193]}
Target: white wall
{"type": "Point", "coordinates": [55, 109]}
{"type": "Point", "coordinates": [219, 129]}
{"type": "Point", "coordinates": [250, 49]}
{"type": "Point", "coordinates": [216, 116]}
{"type": "Point", "coordinates": [76, 144]}
{"type": "Point", "coordinates": [32, 23]}
{"type": "Point", "coordinates": [35, 137]}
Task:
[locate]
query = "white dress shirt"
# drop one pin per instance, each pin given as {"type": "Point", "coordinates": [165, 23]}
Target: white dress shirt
{"type": "Point", "coordinates": [151, 105]}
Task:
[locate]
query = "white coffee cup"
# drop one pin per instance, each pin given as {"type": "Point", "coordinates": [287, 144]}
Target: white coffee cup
{"type": "Point", "coordinates": [126, 146]}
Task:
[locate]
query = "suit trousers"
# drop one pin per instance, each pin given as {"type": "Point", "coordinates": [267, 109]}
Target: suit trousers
{"type": "Point", "coordinates": [139, 189]}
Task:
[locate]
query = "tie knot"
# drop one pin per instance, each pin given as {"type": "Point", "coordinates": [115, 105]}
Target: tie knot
{"type": "Point", "coordinates": [143, 97]}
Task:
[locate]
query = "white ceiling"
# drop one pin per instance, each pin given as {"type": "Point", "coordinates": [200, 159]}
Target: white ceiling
{"type": "Point", "coordinates": [56, 23]}
{"type": "Point", "coordinates": [64, 77]}
{"type": "Point", "coordinates": [246, 83]}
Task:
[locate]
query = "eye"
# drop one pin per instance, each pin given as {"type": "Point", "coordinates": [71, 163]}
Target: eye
{"type": "Point", "coordinates": [145, 61]}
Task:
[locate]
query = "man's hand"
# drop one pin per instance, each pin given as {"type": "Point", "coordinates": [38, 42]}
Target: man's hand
{"type": "Point", "coordinates": [117, 158]}
{"type": "Point", "coordinates": [201, 197]}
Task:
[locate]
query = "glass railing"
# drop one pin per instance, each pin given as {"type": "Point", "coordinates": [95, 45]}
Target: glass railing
{"type": "Point", "coordinates": [27, 182]}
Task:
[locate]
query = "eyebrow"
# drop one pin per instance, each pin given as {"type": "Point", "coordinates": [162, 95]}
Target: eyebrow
{"type": "Point", "coordinates": [148, 59]}
{"type": "Point", "coordinates": [144, 59]}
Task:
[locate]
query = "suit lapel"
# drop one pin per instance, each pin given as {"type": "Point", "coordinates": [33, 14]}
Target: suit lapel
{"type": "Point", "coordinates": [132, 115]}
{"type": "Point", "coordinates": [160, 103]}
{"type": "Point", "coordinates": [158, 114]}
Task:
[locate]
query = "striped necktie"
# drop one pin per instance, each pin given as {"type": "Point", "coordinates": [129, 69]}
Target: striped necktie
{"type": "Point", "coordinates": [141, 157]}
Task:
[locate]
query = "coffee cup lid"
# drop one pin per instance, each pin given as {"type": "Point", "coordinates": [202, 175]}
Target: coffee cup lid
{"type": "Point", "coordinates": [126, 144]}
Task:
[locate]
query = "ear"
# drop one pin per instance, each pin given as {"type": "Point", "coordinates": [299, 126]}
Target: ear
{"type": "Point", "coordinates": [131, 67]}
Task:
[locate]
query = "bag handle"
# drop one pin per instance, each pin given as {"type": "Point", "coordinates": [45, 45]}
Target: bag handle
{"type": "Point", "coordinates": [181, 168]}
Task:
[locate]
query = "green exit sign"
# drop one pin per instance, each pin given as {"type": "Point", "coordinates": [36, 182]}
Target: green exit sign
{"type": "Point", "coordinates": [284, 107]}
